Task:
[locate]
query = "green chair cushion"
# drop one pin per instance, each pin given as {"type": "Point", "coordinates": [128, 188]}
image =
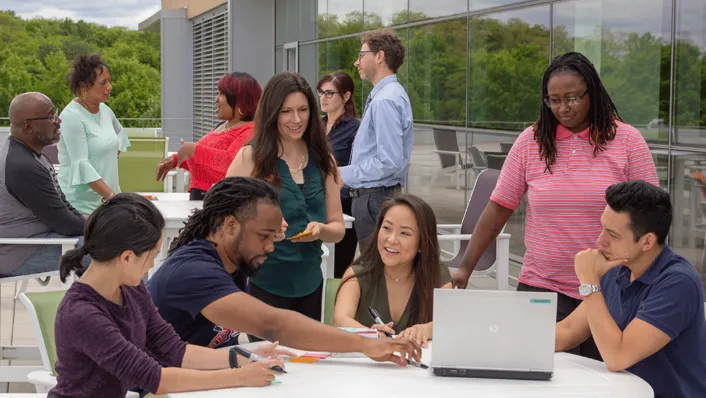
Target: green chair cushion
{"type": "Point", "coordinates": [46, 305]}
{"type": "Point", "coordinates": [137, 168]}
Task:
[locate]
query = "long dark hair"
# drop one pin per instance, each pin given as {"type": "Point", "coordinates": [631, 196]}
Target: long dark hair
{"type": "Point", "coordinates": [266, 138]}
{"type": "Point", "coordinates": [602, 113]}
{"type": "Point", "coordinates": [343, 84]}
{"type": "Point", "coordinates": [426, 265]}
{"type": "Point", "coordinates": [232, 196]}
{"type": "Point", "coordinates": [127, 221]}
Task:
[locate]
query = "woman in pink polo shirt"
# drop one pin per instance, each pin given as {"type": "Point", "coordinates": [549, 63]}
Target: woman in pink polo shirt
{"type": "Point", "coordinates": [578, 147]}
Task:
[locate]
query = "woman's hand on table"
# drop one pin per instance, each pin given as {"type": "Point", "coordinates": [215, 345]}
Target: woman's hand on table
{"type": "Point", "coordinates": [383, 350]}
{"type": "Point", "coordinates": [384, 328]}
{"type": "Point", "coordinates": [257, 374]}
{"type": "Point", "coordinates": [418, 333]}
{"type": "Point", "coordinates": [270, 350]}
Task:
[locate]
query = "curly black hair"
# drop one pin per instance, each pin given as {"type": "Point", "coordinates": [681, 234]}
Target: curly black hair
{"type": "Point", "coordinates": [84, 71]}
{"type": "Point", "coordinates": [601, 115]}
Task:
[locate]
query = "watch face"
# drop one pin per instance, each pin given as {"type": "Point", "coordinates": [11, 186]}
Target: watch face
{"type": "Point", "coordinates": [584, 290]}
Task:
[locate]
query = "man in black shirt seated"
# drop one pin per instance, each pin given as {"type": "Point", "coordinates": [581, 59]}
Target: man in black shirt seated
{"type": "Point", "coordinates": [31, 202]}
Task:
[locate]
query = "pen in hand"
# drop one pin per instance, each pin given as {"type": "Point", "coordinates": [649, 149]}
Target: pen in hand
{"type": "Point", "coordinates": [417, 364]}
{"type": "Point", "coordinates": [376, 318]}
{"type": "Point", "coordinates": [254, 357]}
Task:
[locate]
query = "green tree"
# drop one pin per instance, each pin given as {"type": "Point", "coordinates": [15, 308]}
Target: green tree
{"type": "Point", "coordinates": [36, 56]}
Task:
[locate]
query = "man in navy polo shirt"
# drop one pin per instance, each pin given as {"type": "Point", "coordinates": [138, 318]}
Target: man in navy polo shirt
{"type": "Point", "coordinates": [643, 304]}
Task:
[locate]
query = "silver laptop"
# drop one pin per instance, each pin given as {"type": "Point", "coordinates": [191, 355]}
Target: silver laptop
{"type": "Point", "coordinates": [494, 334]}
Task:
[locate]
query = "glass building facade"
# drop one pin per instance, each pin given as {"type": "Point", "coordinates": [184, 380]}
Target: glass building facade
{"type": "Point", "coordinates": [473, 72]}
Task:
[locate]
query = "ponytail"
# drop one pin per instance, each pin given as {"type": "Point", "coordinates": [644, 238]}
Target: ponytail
{"type": "Point", "coordinates": [70, 262]}
{"type": "Point", "coordinates": [127, 221]}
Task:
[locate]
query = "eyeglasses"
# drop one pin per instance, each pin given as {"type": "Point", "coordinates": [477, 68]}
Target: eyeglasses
{"type": "Point", "coordinates": [569, 101]}
{"type": "Point", "coordinates": [53, 118]}
{"type": "Point", "coordinates": [360, 53]}
{"type": "Point", "coordinates": [328, 93]}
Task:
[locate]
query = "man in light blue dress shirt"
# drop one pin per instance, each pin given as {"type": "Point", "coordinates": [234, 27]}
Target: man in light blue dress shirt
{"type": "Point", "coordinates": [383, 145]}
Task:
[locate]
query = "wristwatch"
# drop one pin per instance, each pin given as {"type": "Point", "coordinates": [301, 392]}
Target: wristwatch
{"type": "Point", "coordinates": [586, 289]}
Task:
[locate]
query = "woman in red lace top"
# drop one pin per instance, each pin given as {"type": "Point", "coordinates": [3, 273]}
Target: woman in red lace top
{"type": "Point", "coordinates": [208, 159]}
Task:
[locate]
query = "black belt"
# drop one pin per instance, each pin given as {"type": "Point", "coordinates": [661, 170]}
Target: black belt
{"type": "Point", "coordinates": [358, 192]}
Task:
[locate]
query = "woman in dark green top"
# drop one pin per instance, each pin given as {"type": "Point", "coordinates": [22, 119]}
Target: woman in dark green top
{"type": "Point", "coordinates": [289, 150]}
{"type": "Point", "coordinates": [396, 273]}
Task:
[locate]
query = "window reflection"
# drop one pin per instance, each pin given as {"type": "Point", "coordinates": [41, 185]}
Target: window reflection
{"type": "Point", "coordinates": [509, 52]}
{"type": "Point", "coordinates": [420, 10]}
{"type": "Point", "coordinates": [321, 13]}
{"type": "Point", "coordinates": [437, 72]}
{"type": "Point", "coordinates": [344, 17]}
{"type": "Point", "coordinates": [309, 63]}
{"type": "Point", "coordinates": [631, 52]}
{"type": "Point", "coordinates": [435, 80]}
{"type": "Point", "coordinates": [481, 4]}
{"type": "Point", "coordinates": [690, 106]}
{"type": "Point", "coordinates": [476, 83]}
{"type": "Point", "coordinates": [385, 13]}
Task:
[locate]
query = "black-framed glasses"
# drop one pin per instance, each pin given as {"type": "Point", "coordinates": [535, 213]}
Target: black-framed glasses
{"type": "Point", "coordinates": [569, 101]}
{"type": "Point", "coordinates": [51, 118]}
{"type": "Point", "coordinates": [326, 93]}
{"type": "Point", "coordinates": [361, 52]}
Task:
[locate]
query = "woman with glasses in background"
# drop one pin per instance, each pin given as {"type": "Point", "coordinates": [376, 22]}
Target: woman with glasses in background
{"type": "Point", "coordinates": [564, 162]}
{"type": "Point", "coordinates": [336, 97]}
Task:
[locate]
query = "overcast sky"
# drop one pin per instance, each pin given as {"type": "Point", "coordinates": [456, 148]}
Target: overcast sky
{"type": "Point", "coordinates": [127, 13]}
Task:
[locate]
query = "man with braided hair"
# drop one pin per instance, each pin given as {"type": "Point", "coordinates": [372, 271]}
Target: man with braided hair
{"type": "Point", "coordinates": [201, 289]}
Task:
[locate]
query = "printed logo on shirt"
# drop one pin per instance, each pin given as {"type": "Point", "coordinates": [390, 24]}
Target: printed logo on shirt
{"type": "Point", "coordinates": [223, 336]}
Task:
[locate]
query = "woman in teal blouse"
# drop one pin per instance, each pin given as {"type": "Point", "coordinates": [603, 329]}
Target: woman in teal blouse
{"type": "Point", "coordinates": [290, 151]}
{"type": "Point", "coordinates": [91, 137]}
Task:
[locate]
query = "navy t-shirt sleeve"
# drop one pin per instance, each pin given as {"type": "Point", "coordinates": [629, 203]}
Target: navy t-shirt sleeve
{"type": "Point", "coordinates": [196, 284]}
{"type": "Point", "coordinates": [672, 304]}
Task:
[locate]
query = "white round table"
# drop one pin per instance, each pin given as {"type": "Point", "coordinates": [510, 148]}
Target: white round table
{"type": "Point", "coordinates": [574, 377]}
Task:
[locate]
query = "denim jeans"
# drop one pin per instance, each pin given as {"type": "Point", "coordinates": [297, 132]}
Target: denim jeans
{"type": "Point", "coordinates": [47, 258]}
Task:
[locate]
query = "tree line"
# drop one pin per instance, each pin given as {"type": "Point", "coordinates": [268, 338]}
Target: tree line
{"type": "Point", "coordinates": [35, 55]}
{"type": "Point", "coordinates": [493, 77]}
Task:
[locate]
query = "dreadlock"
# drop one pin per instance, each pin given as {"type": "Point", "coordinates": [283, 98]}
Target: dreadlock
{"type": "Point", "coordinates": [602, 113]}
{"type": "Point", "coordinates": [232, 196]}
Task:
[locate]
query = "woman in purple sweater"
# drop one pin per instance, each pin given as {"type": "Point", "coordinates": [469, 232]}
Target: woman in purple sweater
{"type": "Point", "coordinates": [109, 335]}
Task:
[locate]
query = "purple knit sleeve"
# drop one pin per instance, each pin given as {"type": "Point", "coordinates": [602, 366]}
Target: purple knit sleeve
{"type": "Point", "coordinates": [103, 342]}
{"type": "Point", "coordinates": [162, 341]}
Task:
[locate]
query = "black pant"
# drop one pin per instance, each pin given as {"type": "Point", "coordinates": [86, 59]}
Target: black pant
{"type": "Point", "coordinates": [196, 194]}
{"type": "Point", "coordinates": [366, 209]}
{"type": "Point", "coordinates": [308, 305]}
{"type": "Point", "coordinates": [345, 249]}
{"type": "Point", "coordinates": [564, 307]}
